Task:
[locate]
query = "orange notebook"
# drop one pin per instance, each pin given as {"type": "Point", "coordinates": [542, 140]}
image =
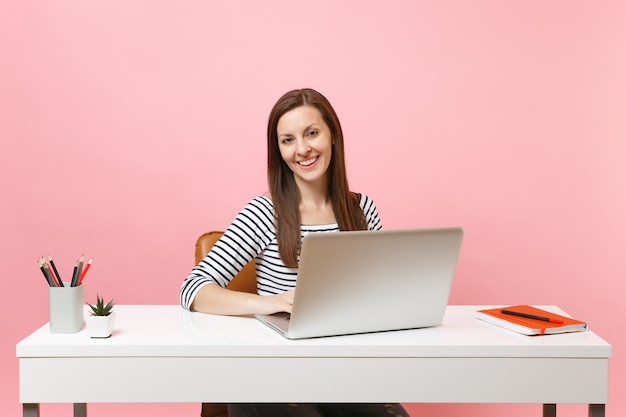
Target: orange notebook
{"type": "Point", "coordinates": [530, 321]}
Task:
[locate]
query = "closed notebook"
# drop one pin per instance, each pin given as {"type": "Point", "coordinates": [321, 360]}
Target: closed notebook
{"type": "Point", "coordinates": [531, 326]}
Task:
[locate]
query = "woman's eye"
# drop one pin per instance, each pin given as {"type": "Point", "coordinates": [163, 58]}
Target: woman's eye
{"type": "Point", "coordinates": [312, 133]}
{"type": "Point", "coordinates": [286, 140]}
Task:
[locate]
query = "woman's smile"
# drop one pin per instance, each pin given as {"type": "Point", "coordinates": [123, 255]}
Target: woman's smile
{"type": "Point", "coordinates": [308, 162]}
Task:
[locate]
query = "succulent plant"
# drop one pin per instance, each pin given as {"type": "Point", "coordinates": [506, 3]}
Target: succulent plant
{"type": "Point", "coordinates": [101, 309]}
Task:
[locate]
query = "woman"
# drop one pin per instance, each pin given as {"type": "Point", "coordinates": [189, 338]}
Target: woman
{"type": "Point", "coordinates": [308, 193]}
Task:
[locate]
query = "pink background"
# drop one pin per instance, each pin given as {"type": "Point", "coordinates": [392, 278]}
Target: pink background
{"type": "Point", "coordinates": [130, 127]}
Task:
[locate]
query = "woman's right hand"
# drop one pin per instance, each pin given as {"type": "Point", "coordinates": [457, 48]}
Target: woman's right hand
{"type": "Point", "coordinates": [213, 299]}
{"type": "Point", "coordinates": [270, 304]}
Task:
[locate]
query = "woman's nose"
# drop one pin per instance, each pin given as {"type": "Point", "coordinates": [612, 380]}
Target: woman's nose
{"type": "Point", "coordinates": [303, 147]}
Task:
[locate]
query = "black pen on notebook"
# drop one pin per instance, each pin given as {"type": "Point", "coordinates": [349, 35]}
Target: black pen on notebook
{"type": "Point", "coordinates": [532, 316]}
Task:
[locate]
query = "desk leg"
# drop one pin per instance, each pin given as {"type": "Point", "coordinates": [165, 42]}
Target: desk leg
{"type": "Point", "coordinates": [549, 410]}
{"type": "Point", "coordinates": [596, 410]}
{"type": "Point", "coordinates": [80, 410]}
{"type": "Point", "coordinates": [30, 410]}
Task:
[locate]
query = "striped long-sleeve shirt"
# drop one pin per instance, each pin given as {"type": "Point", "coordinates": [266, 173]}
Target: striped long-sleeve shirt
{"type": "Point", "coordinates": [252, 235]}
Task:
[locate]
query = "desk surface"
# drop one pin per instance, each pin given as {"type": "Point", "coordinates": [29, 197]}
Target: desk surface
{"type": "Point", "coordinates": [177, 356]}
{"type": "Point", "coordinates": [168, 330]}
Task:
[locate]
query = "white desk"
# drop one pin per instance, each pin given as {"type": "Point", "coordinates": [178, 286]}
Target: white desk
{"type": "Point", "coordinates": [166, 354]}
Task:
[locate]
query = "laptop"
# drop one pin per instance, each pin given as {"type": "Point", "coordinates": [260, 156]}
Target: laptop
{"type": "Point", "coordinates": [370, 281]}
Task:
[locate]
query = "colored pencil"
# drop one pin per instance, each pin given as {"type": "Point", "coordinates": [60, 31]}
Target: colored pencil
{"type": "Point", "coordinates": [43, 271]}
{"type": "Point", "coordinates": [75, 275]}
{"type": "Point", "coordinates": [82, 275]}
{"type": "Point", "coordinates": [54, 268]}
{"type": "Point", "coordinates": [48, 275]}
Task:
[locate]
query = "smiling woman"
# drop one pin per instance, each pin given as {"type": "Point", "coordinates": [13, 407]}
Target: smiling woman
{"type": "Point", "coordinates": [294, 112]}
{"type": "Point", "coordinates": [305, 145]}
{"type": "Point", "coordinates": [308, 194]}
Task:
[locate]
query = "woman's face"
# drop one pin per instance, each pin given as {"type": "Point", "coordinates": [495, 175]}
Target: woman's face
{"type": "Point", "coordinates": [305, 144]}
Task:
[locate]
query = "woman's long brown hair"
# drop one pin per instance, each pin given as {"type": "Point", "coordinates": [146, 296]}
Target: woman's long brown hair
{"type": "Point", "coordinates": [283, 188]}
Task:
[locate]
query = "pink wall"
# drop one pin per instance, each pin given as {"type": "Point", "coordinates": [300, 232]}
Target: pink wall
{"type": "Point", "coordinates": [130, 127]}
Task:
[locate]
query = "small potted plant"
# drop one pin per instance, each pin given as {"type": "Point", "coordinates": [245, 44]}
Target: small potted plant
{"type": "Point", "coordinates": [101, 320]}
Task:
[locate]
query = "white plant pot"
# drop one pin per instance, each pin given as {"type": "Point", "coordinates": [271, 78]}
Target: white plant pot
{"type": "Point", "coordinates": [100, 326]}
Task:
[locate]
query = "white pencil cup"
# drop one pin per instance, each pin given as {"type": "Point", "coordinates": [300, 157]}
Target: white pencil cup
{"type": "Point", "coordinates": [66, 305]}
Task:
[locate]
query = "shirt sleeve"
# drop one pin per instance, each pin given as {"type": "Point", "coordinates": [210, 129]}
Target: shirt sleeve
{"type": "Point", "coordinates": [371, 213]}
{"type": "Point", "coordinates": [246, 237]}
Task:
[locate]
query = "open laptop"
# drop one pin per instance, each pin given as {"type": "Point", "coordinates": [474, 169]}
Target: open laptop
{"type": "Point", "coordinates": [370, 281]}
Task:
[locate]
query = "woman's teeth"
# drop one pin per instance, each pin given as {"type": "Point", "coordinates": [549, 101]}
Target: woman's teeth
{"type": "Point", "coordinates": [308, 162]}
